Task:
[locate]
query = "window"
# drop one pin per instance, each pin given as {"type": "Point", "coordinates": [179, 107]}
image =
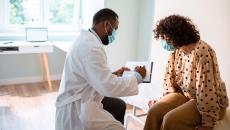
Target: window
{"type": "Point", "coordinates": [57, 15]}
{"type": "Point", "coordinates": [23, 12]}
{"type": "Point", "coordinates": [61, 11]}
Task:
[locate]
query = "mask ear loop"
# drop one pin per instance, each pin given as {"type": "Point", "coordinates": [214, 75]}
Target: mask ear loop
{"type": "Point", "coordinates": [111, 26]}
{"type": "Point", "coordinates": [106, 30]}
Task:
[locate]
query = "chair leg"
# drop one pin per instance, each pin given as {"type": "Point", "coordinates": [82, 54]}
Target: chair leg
{"type": "Point", "coordinates": [127, 117]}
{"type": "Point", "coordinates": [134, 116]}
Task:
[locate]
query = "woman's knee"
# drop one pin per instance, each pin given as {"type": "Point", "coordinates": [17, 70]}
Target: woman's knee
{"type": "Point", "coordinates": [170, 120]}
{"type": "Point", "coordinates": [154, 110]}
{"type": "Point", "coordinates": [153, 118]}
{"type": "Point", "coordinates": [157, 111]}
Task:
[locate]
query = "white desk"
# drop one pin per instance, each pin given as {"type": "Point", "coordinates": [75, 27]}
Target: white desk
{"type": "Point", "coordinates": [22, 47]}
{"type": "Point", "coordinates": [64, 46]}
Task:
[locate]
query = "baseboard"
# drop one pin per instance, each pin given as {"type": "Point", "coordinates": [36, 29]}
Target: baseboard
{"type": "Point", "coordinates": [27, 79]}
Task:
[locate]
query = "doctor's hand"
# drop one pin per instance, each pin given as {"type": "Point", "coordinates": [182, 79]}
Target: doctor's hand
{"type": "Point", "coordinates": [120, 71]}
{"type": "Point", "coordinates": [141, 70]}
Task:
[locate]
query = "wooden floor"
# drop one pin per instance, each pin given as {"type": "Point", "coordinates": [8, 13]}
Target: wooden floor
{"type": "Point", "coordinates": [31, 107]}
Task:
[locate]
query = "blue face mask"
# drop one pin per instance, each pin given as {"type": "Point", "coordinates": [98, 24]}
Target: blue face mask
{"type": "Point", "coordinates": [167, 46]}
{"type": "Point", "coordinates": [111, 37]}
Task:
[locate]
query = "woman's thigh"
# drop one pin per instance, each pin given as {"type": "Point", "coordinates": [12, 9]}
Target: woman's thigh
{"type": "Point", "coordinates": [174, 99]}
{"type": "Point", "coordinates": [169, 102]}
{"type": "Point", "coordinates": [186, 114]}
{"type": "Point", "coordinates": [166, 104]}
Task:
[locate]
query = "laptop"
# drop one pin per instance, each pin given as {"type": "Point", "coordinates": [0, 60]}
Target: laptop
{"type": "Point", "coordinates": [36, 34]}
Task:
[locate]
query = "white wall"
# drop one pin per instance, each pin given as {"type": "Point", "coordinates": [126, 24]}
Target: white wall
{"type": "Point", "coordinates": [133, 39]}
{"type": "Point", "coordinates": [212, 19]}
{"type": "Point", "coordinates": [125, 45]}
{"type": "Point", "coordinates": [89, 8]}
{"type": "Point", "coordinates": [145, 32]}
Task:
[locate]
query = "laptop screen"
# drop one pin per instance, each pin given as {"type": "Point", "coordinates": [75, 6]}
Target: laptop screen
{"type": "Point", "coordinates": [36, 34]}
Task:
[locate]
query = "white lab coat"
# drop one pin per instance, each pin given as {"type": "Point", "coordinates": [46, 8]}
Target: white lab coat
{"type": "Point", "coordinates": [85, 81]}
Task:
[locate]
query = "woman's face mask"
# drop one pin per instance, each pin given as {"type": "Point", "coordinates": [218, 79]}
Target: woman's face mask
{"type": "Point", "coordinates": [167, 46]}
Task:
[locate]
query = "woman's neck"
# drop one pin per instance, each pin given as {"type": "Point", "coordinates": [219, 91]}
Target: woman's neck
{"type": "Point", "coordinates": [188, 48]}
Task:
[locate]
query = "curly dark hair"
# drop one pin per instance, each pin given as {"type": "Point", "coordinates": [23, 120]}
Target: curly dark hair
{"type": "Point", "coordinates": [178, 30]}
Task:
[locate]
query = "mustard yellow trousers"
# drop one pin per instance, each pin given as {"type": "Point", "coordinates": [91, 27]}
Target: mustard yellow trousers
{"type": "Point", "coordinates": [174, 112]}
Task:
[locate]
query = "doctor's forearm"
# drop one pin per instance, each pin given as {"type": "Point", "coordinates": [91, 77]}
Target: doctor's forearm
{"type": "Point", "coordinates": [138, 77]}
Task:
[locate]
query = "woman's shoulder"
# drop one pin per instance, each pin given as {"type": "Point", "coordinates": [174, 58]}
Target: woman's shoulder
{"type": "Point", "coordinates": [203, 47]}
{"type": "Point", "coordinates": [204, 51]}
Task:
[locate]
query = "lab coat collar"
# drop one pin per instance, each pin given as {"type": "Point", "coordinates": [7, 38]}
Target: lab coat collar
{"type": "Point", "coordinates": [92, 31]}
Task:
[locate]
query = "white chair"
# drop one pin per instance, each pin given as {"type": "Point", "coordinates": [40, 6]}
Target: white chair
{"type": "Point", "coordinates": [146, 92]}
{"type": "Point", "coordinates": [137, 102]}
{"type": "Point", "coordinates": [224, 124]}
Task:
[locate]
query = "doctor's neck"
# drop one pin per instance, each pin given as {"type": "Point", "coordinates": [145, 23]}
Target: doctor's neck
{"type": "Point", "coordinates": [99, 30]}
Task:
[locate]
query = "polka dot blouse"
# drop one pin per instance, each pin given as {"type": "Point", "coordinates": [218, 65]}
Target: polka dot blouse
{"type": "Point", "coordinates": [197, 76]}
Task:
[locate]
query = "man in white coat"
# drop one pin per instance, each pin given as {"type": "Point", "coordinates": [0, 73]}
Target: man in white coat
{"type": "Point", "coordinates": [87, 79]}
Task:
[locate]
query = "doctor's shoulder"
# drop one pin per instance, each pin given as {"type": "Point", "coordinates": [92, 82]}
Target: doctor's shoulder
{"type": "Point", "coordinates": [86, 37]}
{"type": "Point", "coordinates": [84, 42]}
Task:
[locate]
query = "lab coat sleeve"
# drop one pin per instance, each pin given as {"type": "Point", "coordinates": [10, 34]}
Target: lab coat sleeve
{"type": "Point", "coordinates": [100, 77]}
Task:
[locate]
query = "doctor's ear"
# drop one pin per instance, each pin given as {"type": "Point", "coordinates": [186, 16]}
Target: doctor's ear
{"type": "Point", "coordinates": [106, 23]}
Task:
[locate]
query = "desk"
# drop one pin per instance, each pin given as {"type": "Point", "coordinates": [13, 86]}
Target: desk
{"type": "Point", "coordinates": [64, 46]}
{"type": "Point", "coordinates": [22, 47]}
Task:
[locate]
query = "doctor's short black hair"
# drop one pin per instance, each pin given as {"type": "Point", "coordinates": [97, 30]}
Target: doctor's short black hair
{"type": "Point", "coordinates": [104, 14]}
{"type": "Point", "coordinates": [177, 30]}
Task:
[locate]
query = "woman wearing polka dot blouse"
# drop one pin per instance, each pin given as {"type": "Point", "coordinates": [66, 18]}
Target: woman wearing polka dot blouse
{"type": "Point", "coordinates": [194, 95]}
